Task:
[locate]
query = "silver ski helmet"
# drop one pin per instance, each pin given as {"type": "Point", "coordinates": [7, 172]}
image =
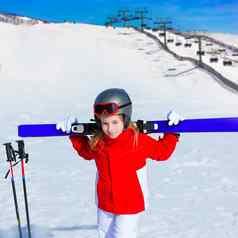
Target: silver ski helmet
{"type": "Point", "coordinates": [113, 101]}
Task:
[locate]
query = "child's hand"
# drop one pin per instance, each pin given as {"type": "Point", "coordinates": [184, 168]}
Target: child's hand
{"type": "Point", "coordinates": [66, 125]}
{"type": "Point", "coordinates": [174, 118]}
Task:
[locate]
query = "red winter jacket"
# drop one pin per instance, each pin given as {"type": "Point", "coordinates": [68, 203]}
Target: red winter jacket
{"type": "Point", "coordinates": [117, 160]}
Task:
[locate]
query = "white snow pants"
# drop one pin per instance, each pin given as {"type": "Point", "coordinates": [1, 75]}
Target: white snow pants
{"type": "Point", "coordinates": [117, 226]}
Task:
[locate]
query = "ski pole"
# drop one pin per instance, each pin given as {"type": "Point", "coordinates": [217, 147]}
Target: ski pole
{"type": "Point", "coordinates": [12, 157]}
{"type": "Point", "coordinates": [22, 156]}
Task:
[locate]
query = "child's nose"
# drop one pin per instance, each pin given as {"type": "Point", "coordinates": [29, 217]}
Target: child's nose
{"type": "Point", "coordinates": [110, 128]}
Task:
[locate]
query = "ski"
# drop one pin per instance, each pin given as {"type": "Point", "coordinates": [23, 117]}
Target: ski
{"type": "Point", "coordinates": [45, 130]}
{"type": "Point", "coordinates": [160, 126]}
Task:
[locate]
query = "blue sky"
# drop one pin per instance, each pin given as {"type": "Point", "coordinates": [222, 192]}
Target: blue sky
{"type": "Point", "coordinates": [209, 15]}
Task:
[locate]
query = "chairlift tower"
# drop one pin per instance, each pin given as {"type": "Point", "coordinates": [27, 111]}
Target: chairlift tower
{"type": "Point", "coordinates": [200, 52]}
{"type": "Point", "coordinates": [111, 20]}
{"type": "Point", "coordinates": [163, 25]}
{"type": "Point", "coordinates": [141, 16]}
{"type": "Point", "coordinates": [124, 16]}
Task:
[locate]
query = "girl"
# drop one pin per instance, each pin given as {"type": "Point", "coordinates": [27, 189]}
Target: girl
{"type": "Point", "coordinates": [120, 152]}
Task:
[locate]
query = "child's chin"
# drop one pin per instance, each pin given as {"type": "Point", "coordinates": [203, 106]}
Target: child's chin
{"type": "Point", "coordinates": [113, 136]}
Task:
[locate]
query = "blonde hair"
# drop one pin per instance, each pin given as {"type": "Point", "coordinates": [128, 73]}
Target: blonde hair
{"type": "Point", "coordinates": [96, 138]}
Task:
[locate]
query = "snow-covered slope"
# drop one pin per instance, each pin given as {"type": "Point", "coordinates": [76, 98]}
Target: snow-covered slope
{"type": "Point", "coordinates": [231, 39]}
{"type": "Point", "coordinates": [51, 71]}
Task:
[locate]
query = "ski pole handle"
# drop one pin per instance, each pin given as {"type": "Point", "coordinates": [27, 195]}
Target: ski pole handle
{"type": "Point", "coordinates": [11, 156]}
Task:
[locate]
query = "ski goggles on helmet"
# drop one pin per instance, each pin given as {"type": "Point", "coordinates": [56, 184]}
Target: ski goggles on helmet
{"type": "Point", "coordinates": [108, 108]}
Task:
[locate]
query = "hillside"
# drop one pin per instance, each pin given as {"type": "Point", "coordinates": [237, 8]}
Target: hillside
{"type": "Point", "coordinates": [50, 71]}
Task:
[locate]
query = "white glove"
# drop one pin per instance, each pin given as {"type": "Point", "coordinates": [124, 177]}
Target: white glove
{"type": "Point", "coordinates": [174, 118]}
{"type": "Point", "coordinates": [66, 125]}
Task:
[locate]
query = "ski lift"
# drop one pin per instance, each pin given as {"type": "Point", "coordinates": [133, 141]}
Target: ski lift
{"type": "Point", "coordinates": [209, 44]}
{"type": "Point", "coordinates": [196, 41]}
{"type": "Point", "coordinates": [170, 28]}
{"type": "Point", "coordinates": [170, 40]}
{"type": "Point", "coordinates": [227, 62]}
{"type": "Point", "coordinates": [172, 69]}
{"type": "Point", "coordinates": [135, 18]}
{"type": "Point", "coordinates": [178, 43]}
{"type": "Point", "coordinates": [214, 59]}
{"type": "Point", "coordinates": [188, 45]}
{"type": "Point", "coordinates": [148, 28]}
{"type": "Point", "coordinates": [155, 29]}
{"type": "Point", "coordinates": [200, 52]}
{"type": "Point", "coordinates": [235, 54]}
{"type": "Point", "coordinates": [161, 34]}
{"type": "Point", "coordinates": [188, 42]}
{"type": "Point", "coordinates": [222, 50]}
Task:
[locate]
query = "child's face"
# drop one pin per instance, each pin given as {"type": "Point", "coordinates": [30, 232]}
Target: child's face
{"type": "Point", "coordinates": [112, 125]}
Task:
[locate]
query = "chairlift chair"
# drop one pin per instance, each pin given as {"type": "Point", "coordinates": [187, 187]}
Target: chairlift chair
{"type": "Point", "coordinates": [155, 29]}
{"type": "Point", "coordinates": [214, 59]}
{"type": "Point", "coordinates": [188, 45]}
{"type": "Point", "coordinates": [188, 42]}
{"type": "Point", "coordinates": [172, 69]}
{"type": "Point", "coordinates": [147, 27]}
{"type": "Point", "coordinates": [200, 52]}
{"type": "Point", "coordinates": [170, 40]}
{"type": "Point", "coordinates": [227, 62]}
{"type": "Point", "coordinates": [222, 50]}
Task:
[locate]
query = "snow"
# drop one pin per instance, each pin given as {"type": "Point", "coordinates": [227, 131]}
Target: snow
{"type": "Point", "coordinates": [51, 71]}
{"type": "Point", "coordinates": [231, 39]}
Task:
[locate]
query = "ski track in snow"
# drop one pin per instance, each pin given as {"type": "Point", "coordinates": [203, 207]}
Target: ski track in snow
{"type": "Point", "coordinates": [51, 71]}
